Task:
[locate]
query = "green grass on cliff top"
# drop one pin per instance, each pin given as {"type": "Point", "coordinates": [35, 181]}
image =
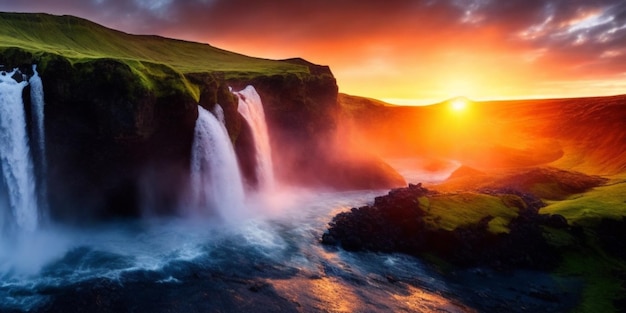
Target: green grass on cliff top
{"type": "Point", "coordinates": [81, 40]}
{"type": "Point", "coordinates": [607, 201]}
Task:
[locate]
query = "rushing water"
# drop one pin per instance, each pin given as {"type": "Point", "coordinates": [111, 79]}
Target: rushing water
{"type": "Point", "coordinates": [37, 102]}
{"type": "Point", "coordinates": [251, 108]}
{"type": "Point", "coordinates": [39, 136]}
{"type": "Point", "coordinates": [18, 179]}
{"type": "Point", "coordinates": [272, 262]}
{"type": "Point", "coordinates": [216, 183]}
{"type": "Point", "coordinates": [219, 114]}
{"type": "Point", "coordinates": [285, 243]}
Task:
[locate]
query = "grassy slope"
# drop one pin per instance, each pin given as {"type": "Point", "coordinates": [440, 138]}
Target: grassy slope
{"type": "Point", "coordinates": [608, 201]}
{"type": "Point", "coordinates": [469, 208]}
{"type": "Point", "coordinates": [80, 40]}
{"type": "Point", "coordinates": [590, 262]}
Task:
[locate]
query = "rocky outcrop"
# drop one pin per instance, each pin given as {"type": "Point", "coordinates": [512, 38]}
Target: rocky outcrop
{"type": "Point", "coordinates": [397, 223]}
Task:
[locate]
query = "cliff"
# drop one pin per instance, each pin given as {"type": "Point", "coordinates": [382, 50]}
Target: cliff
{"type": "Point", "coordinates": [120, 110]}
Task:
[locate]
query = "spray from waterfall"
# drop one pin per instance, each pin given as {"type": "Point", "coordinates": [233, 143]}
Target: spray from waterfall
{"type": "Point", "coordinates": [251, 108]}
{"type": "Point", "coordinates": [216, 182]}
{"type": "Point", "coordinates": [15, 158]}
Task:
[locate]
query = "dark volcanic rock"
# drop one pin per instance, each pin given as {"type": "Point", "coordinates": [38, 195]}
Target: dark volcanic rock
{"type": "Point", "coordinates": [395, 223]}
{"type": "Point", "coordinates": [388, 225]}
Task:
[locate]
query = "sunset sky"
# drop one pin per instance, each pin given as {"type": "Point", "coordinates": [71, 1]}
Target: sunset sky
{"type": "Point", "coordinates": [401, 51]}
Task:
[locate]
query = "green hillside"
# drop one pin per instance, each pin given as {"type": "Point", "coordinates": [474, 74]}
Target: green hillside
{"type": "Point", "coordinates": [38, 38]}
{"type": "Point", "coordinates": [79, 40]}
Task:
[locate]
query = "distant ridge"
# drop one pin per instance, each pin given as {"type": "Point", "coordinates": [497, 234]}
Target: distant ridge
{"type": "Point", "coordinates": [584, 134]}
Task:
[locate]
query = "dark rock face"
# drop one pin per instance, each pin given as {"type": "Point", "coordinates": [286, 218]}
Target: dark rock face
{"type": "Point", "coordinates": [395, 223]}
{"type": "Point", "coordinates": [118, 141]}
{"type": "Point", "coordinates": [103, 128]}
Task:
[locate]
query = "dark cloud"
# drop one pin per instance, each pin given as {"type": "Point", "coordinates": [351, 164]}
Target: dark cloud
{"type": "Point", "coordinates": [340, 19]}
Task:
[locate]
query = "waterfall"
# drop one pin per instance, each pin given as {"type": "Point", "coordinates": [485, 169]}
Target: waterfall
{"type": "Point", "coordinates": [216, 182]}
{"type": "Point", "coordinates": [251, 108]}
{"type": "Point", "coordinates": [38, 134]}
{"type": "Point", "coordinates": [219, 113]}
{"type": "Point", "coordinates": [36, 95]}
{"type": "Point", "coordinates": [15, 159]}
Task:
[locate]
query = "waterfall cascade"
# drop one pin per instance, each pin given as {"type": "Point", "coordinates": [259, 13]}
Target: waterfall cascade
{"type": "Point", "coordinates": [219, 113]}
{"type": "Point", "coordinates": [216, 182]}
{"type": "Point", "coordinates": [251, 108]}
{"type": "Point", "coordinates": [38, 135]}
{"type": "Point", "coordinates": [18, 178]}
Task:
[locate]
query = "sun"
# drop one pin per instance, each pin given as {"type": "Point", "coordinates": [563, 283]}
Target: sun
{"type": "Point", "coordinates": [458, 104]}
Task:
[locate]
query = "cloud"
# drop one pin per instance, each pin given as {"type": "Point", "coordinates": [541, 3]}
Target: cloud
{"type": "Point", "coordinates": [550, 40]}
{"type": "Point", "coordinates": [584, 36]}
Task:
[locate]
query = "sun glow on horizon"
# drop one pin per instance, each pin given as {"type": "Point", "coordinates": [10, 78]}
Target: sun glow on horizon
{"type": "Point", "coordinates": [458, 105]}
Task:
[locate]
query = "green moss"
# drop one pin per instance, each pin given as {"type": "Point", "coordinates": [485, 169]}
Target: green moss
{"type": "Point", "coordinates": [449, 211]}
{"type": "Point", "coordinates": [499, 225]}
{"type": "Point", "coordinates": [608, 201]}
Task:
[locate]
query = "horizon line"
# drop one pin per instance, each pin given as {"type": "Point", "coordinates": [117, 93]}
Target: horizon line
{"type": "Point", "coordinates": [427, 102]}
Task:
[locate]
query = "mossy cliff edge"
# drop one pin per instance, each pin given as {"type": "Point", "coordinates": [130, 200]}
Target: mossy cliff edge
{"type": "Point", "coordinates": [121, 109]}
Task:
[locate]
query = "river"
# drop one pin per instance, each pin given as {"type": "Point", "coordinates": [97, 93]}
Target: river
{"type": "Point", "coordinates": [271, 261]}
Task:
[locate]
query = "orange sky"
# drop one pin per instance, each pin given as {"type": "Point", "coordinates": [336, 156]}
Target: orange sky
{"type": "Point", "coordinates": [401, 51]}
